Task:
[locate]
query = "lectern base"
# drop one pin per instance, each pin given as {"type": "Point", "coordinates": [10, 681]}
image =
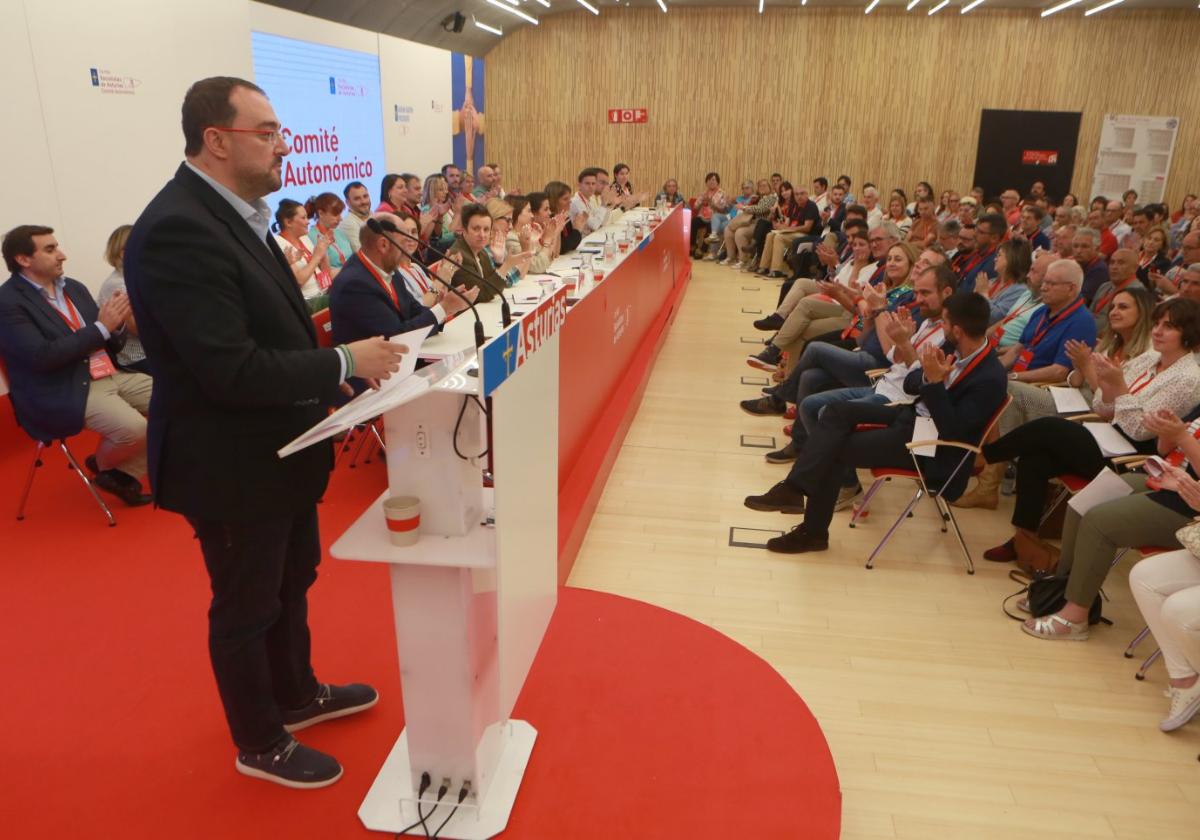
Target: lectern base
{"type": "Point", "coordinates": [389, 804]}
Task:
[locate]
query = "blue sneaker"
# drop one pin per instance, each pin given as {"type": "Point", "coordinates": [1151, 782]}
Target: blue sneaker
{"type": "Point", "coordinates": [291, 764]}
{"type": "Point", "coordinates": [332, 701]}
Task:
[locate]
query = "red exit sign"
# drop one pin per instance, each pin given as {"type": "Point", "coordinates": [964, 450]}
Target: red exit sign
{"type": "Point", "coordinates": [626, 115]}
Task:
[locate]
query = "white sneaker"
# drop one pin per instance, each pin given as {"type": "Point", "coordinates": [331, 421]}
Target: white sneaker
{"type": "Point", "coordinates": [735, 265]}
{"type": "Point", "coordinates": [1185, 702]}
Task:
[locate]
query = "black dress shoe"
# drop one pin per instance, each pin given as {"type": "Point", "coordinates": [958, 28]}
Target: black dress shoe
{"type": "Point", "coordinates": [124, 486]}
{"type": "Point", "coordinates": [91, 464]}
{"type": "Point", "coordinates": [332, 701]}
{"type": "Point", "coordinates": [783, 456]}
{"type": "Point", "coordinates": [764, 407]}
{"type": "Point", "coordinates": [782, 498]}
{"type": "Point", "coordinates": [772, 323]}
{"type": "Point", "coordinates": [291, 764]}
{"type": "Point", "coordinates": [798, 541]}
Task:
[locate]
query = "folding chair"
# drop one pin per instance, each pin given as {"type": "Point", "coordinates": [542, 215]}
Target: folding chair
{"type": "Point", "coordinates": [883, 474]}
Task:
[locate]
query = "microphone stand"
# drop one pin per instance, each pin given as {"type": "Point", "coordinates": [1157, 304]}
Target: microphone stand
{"type": "Point", "coordinates": [505, 311]}
{"type": "Point", "coordinates": [378, 228]}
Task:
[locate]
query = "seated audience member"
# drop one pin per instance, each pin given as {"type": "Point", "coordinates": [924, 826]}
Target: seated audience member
{"type": "Point", "coordinates": [1122, 271]}
{"type": "Point", "coordinates": [968, 210]}
{"type": "Point", "coordinates": [1153, 256]}
{"type": "Point", "coordinates": [1007, 331]}
{"type": "Point", "coordinates": [1163, 378]}
{"type": "Point", "coordinates": [1166, 588]}
{"type": "Point", "coordinates": [1031, 227]}
{"type": "Point", "coordinates": [1010, 207]}
{"type": "Point", "coordinates": [1139, 225]}
{"type": "Point", "coordinates": [371, 296]}
{"type": "Point", "coordinates": [711, 200]}
{"type": "Point", "coordinates": [870, 200]}
{"type": "Point", "coordinates": [924, 190]}
{"type": "Point", "coordinates": [466, 187]}
{"type": "Point", "coordinates": [1108, 242]}
{"type": "Point", "coordinates": [897, 215]}
{"type": "Point", "coordinates": [586, 203]}
{"type": "Point", "coordinates": [820, 193]}
{"type": "Point", "coordinates": [824, 263]}
{"type": "Point", "coordinates": [326, 211]}
{"type": "Point", "coordinates": [1167, 282]}
{"type": "Point", "coordinates": [621, 185]}
{"type": "Point", "coordinates": [794, 216]}
{"type": "Point", "coordinates": [412, 203]}
{"type": "Point", "coordinates": [453, 176]}
{"type": "Point", "coordinates": [1009, 289]}
{"type": "Point", "coordinates": [130, 357]}
{"type": "Point", "coordinates": [977, 270]}
{"type": "Point", "coordinates": [924, 227]}
{"type": "Point", "coordinates": [1114, 220]}
{"type": "Point", "coordinates": [1040, 354]}
{"type": "Point", "coordinates": [417, 278]}
{"type": "Point", "coordinates": [739, 233]}
{"type": "Point", "coordinates": [1070, 200]}
{"type": "Point", "coordinates": [523, 237]}
{"type": "Point", "coordinates": [950, 209]}
{"type": "Point", "coordinates": [948, 236]}
{"type": "Point", "coordinates": [1125, 336]}
{"type": "Point", "coordinates": [960, 392]}
{"type": "Point", "coordinates": [834, 214]}
{"type": "Point", "coordinates": [558, 195]}
{"type": "Point", "coordinates": [58, 347]}
{"type": "Point", "coordinates": [545, 231]}
{"type": "Point", "coordinates": [471, 249]}
{"type": "Point", "coordinates": [1181, 219]}
{"type": "Point", "coordinates": [744, 197]}
{"type": "Point", "coordinates": [1064, 241]}
{"type": "Point", "coordinates": [310, 264]}
{"type": "Point", "coordinates": [902, 339]}
{"type": "Point", "coordinates": [829, 309]}
{"type": "Point", "coordinates": [846, 184]}
{"type": "Point", "coordinates": [436, 206]}
{"type": "Point", "coordinates": [1095, 269]}
{"type": "Point", "coordinates": [393, 194]}
{"type": "Point", "coordinates": [670, 194]}
{"type": "Point", "coordinates": [502, 222]}
{"type": "Point", "coordinates": [485, 185]}
{"type": "Point", "coordinates": [358, 202]}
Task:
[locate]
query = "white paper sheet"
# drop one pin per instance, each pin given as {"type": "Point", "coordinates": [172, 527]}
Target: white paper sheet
{"type": "Point", "coordinates": [1069, 400]}
{"type": "Point", "coordinates": [1103, 488]}
{"type": "Point", "coordinates": [925, 429]}
{"type": "Point", "coordinates": [1111, 442]}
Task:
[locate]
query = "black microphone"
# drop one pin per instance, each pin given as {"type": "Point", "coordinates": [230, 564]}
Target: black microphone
{"type": "Point", "coordinates": [505, 312]}
{"type": "Point", "coordinates": [377, 227]}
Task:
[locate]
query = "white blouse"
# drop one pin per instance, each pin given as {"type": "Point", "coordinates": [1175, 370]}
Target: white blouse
{"type": "Point", "coordinates": [1177, 389]}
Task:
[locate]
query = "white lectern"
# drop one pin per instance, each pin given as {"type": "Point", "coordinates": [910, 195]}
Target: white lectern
{"type": "Point", "coordinates": [473, 596]}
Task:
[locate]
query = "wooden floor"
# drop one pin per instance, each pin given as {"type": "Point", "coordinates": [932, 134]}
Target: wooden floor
{"type": "Point", "coordinates": [945, 720]}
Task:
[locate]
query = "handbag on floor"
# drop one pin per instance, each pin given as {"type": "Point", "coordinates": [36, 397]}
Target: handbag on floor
{"type": "Point", "coordinates": [1047, 594]}
{"type": "Point", "coordinates": [1034, 555]}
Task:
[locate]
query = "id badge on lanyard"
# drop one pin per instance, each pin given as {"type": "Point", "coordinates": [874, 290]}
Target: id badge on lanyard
{"type": "Point", "coordinates": [1023, 361]}
{"type": "Point", "coordinates": [100, 366]}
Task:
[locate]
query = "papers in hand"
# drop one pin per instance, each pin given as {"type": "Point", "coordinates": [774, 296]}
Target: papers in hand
{"type": "Point", "coordinates": [1069, 400]}
{"type": "Point", "coordinates": [1103, 488]}
{"type": "Point", "coordinates": [1111, 442]}
{"type": "Point", "coordinates": [396, 390]}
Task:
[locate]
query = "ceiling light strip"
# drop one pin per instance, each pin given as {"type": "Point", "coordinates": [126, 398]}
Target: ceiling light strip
{"type": "Point", "coordinates": [487, 28]}
{"type": "Point", "coordinates": [525, 16]}
{"type": "Point", "coordinates": [588, 6]}
{"type": "Point", "coordinates": [662, 6]}
{"type": "Point", "coordinates": [912, 5]}
{"type": "Point", "coordinates": [969, 6]}
{"type": "Point", "coordinates": [1097, 9]}
{"type": "Point", "coordinates": [1066, 4]}
{"type": "Point", "coordinates": [871, 7]}
{"type": "Point", "coordinates": [938, 7]}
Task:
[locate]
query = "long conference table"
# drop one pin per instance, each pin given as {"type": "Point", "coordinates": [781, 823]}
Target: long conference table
{"type": "Point", "coordinates": [607, 345]}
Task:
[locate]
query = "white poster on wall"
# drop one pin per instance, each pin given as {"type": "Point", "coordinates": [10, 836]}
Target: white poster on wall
{"type": "Point", "coordinates": [1135, 153]}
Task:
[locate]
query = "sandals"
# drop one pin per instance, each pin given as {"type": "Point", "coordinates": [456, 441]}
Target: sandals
{"type": "Point", "coordinates": [1048, 627]}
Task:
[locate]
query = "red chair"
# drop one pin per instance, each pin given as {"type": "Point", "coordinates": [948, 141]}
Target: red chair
{"type": "Point", "coordinates": [72, 464]}
{"type": "Point", "coordinates": [323, 327]}
{"type": "Point", "coordinates": [944, 510]}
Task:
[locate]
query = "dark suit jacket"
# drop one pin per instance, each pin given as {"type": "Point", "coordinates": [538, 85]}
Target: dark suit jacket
{"type": "Point", "coordinates": [360, 308]}
{"type": "Point", "coordinates": [961, 414]}
{"type": "Point", "coordinates": [48, 363]}
{"type": "Point", "coordinates": [237, 371]}
{"type": "Point", "coordinates": [460, 252]}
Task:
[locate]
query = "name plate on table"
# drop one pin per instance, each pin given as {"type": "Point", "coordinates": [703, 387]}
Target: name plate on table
{"type": "Point", "coordinates": [501, 356]}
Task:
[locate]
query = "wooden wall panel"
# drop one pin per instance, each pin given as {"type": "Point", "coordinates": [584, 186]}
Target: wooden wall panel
{"type": "Point", "coordinates": [891, 98]}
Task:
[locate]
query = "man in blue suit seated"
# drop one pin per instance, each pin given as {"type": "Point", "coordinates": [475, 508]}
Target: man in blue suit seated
{"type": "Point", "coordinates": [960, 392]}
{"type": "Point", "coordinates": [369, 297]}
{"type": "Point", "coordinates": [59, 348]}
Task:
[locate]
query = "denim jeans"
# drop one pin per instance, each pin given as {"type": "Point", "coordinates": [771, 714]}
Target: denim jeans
{"type": "Point", "coordinates": [718, 223]}
{"type": "Point", "coordinates": [809, 410]}
{"type": "Point", "coordinates": [824, 367]}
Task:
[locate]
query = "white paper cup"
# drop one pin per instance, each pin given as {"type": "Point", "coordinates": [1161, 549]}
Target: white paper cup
{"type": "Point", "coordinates": [403, 514]}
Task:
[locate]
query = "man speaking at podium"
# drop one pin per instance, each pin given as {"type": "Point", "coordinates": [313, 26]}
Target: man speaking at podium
{"type": "Point", "coordinates": [238, 374]}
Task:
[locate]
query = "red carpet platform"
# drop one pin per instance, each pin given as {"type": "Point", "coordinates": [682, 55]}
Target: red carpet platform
{"type": "Point", "coordinates": [650, 725]}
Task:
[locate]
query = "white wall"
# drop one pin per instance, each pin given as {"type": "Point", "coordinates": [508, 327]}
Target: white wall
{"type": "Point", "coordinates": [415, 79]}
{"type": "Point", "coordinates": [103, 155]}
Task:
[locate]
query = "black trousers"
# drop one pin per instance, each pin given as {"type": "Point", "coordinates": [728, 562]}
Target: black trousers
{"type": "Point", "coordinates": [258, 636]}
{"type": "Point", "coordinates": [835, 447]}
{"type": "Point", "coordinates": [700, 229]}
{"type": "Point", "coordinates": [1047, 447]}
{"type": "Point", "coordinates": [761, 228]}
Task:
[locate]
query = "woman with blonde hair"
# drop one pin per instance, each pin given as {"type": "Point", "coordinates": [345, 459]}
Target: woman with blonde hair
{"type": "Point", "coordinates": [132, 356]}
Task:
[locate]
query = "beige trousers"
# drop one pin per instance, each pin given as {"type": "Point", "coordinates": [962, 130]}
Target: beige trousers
{"type": "Point", "coordinates": [774, 249]}
{"type": "Point", "coordinates": [739, 234]}
{"type": "Point", "coordinates": [116, 410]}
{"type": "Point", "coordinates": [802, 288]}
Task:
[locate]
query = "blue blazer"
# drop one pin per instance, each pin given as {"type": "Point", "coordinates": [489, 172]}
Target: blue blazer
{"type": "Point", "coordinates": [48, 363]}
{"type": "Point", "coordinates": [359, 307]}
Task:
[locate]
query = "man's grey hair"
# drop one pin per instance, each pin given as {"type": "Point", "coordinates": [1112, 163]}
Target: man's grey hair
{"type": "Point", "coordinates": [1092, 233]}
{"type": "Point", "coordinates": [889, 229]}
{"type": "Point", "coordinates": [950, 227]}
{"type": "Point", "coordinates": [1067, 270]}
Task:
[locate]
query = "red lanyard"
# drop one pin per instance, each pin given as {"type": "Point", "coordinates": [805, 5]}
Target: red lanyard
{"type": "Point", "coordinates": [1104, 301]}
{"type": "Point", "coordinates": [299, 243]}
{"type": "Point", "coordinates": [332, 243]}
{"type": "Point", "coordinates": [974, 363]}
{"type": "Point", "coordinates": [417, 275]}
{"type": "Point", "coordinates": [937, 325]}
{"type": "Point", "coordinates": [1145, 261]}
{"type": "Point", "coordinates": [979, 258]}
{"type": "Point", "coordinates": [75, 322]}
{"type": "Point", "coordinates": [1049, 323]}
{"type": "Point", "coordinates": [996, 288]}
{"type": "Point", "coordinates": [387, 287]}
{"type": "Point", "coordinates": [1139, 385]}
